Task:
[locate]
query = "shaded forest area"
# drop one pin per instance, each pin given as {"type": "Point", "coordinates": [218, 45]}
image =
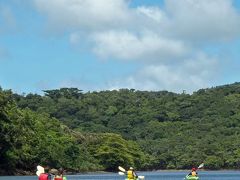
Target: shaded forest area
{"type": "Point", "coordinates": [101, 130]}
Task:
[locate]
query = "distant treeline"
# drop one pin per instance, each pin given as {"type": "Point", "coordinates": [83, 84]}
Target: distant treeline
{"type": "Point", "coordinates": [102, 130]}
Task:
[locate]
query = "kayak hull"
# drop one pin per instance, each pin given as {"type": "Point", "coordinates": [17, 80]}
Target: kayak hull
{"type": "Point", "coordinates": [139, 178]}
{"type": "Point", "coordinates": [192, 178]}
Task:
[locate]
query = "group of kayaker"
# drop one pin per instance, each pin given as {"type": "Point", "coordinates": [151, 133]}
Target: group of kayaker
{"type": "Point", "coordinates": [52, 174]}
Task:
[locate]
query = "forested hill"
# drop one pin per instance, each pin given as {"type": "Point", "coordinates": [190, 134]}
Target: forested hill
{"type": "Point", "coordinates": [101, 130]}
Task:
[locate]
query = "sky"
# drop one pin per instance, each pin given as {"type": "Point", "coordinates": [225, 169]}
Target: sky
{"type": "Point", "coordinates": [95, 45]}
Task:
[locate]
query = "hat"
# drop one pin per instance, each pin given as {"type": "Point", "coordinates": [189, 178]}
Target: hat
{"type": "Point", "coordinates": [194, 169]}
{"type": "Point", "coordinates": [54, 171]}
{"type": "Point", "coordinates": [131, 168]}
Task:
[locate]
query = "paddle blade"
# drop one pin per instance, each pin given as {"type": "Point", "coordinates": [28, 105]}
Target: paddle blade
{"type": "Point", "coordinates": [201, 165]}
{"type": "Point", "coordinates": [140, 177]}
{"type": "Point", "coordinates": [121, 169]}
{"type": "Point", "coordinates": [121, 173]}
{"type": "Point", "coordinates": [38, 173]}
{"type": "Point", "coordinates": [40, 168]}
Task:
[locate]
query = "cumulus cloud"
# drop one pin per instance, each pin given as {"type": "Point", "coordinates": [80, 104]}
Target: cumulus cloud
{"type": "Point", "coordinates": [85, 14]}
{"type": "Point", "coordinates": [153, 13]}
{"type": "Point", "coordinates": [190, 75]}
{"type": "Point", "coordinates": [202, 20]}
{"type": "Point", "coordinates": [187, 20]}
{"type": "Point", "coordinates": [167, 39]}
{"type": "Point", "coordinates": [129, 46]}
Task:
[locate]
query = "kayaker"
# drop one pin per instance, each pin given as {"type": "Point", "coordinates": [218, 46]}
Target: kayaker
{"type": "Point", "coordinates": [131, 174]}
{"type": "Point", "coordinates": [60, 175]}
{"type": "Point", "coordinates": [46, 175]}
{"type": "Point", "coordinates": [193, 172]}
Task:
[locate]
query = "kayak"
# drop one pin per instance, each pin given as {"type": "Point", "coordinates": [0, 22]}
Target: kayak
{"type": "Point", "coordinates": [139, 178]}
{"type": "Point", "coordinates": [189, 177]}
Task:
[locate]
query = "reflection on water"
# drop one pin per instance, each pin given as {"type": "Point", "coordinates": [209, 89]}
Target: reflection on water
{"type": "Point", "coordinates": [159, 175]}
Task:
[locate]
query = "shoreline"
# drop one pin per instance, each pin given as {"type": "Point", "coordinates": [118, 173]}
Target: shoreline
{"type": "Point", "coordinates": [28, 173]}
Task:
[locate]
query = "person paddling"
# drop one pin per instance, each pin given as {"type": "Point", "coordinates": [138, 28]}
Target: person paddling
{"type": "Point", "coordinates": [45, 175]}
{"type": "Point", "coordinates": [131, 174]}
{"type": "Point", "coordinates": [193, 172]}
{"type": "Point", "coordinates": [60, 175]}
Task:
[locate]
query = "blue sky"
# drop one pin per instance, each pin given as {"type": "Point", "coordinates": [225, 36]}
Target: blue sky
{"type": "Point", "coordinates": [153, 45]}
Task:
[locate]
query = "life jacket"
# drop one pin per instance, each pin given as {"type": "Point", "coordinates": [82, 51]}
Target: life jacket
{"type": "Point", "coordinates": [44, 176]}
{"type": "Point", "coordinates": [194, 173]}
{"type": "Point", "coordinates": [130, 174]}
{"type": "Point", "coordinates": [58, 178]}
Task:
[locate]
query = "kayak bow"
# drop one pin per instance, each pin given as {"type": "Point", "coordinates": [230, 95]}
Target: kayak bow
{"type": "Point", "coordinates": [189, 177]}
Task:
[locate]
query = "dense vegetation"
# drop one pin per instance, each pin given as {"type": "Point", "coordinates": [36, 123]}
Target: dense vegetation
{"type": "Point", "coordinates": [29, 138]}
{"type": "Point", "coordinates": [101, 130]}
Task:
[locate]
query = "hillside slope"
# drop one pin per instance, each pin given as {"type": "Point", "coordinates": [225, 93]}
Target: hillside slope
{"type": "Point", "coordinates": [174, 130]}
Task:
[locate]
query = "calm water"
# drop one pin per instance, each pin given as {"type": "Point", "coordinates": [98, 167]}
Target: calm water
{"type": "Point", "coordinates": [162, 175]}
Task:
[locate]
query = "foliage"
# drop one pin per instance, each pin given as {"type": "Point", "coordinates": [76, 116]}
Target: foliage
{"type": "Point", "coordinates": [112, 150]}
{"type": "Point", "coordinates": [101, 130]}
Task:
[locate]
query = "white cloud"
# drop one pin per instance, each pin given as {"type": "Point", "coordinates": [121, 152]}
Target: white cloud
{"type": "Point", "coordinates": [152, 12]}
{"type": "Point", "coordinates": [167, 39]}
{"type": "Point", "coordinates": [85, 14]}
{"type": "Point", "coordinates": [189, 75]}
{"type": "Point", "coordinates": [203, 20]}
{"type": "Point", "coordinates": [145, 46]}
{"type": "Point", "coordinates": [186, 20]}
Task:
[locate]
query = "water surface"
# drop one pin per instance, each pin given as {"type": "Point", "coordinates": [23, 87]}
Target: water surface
{"type": "Point", "coordinates": [161, 175]}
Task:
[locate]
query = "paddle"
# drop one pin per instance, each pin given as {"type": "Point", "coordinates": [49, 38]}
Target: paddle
{"type": "Point", "coordinates": [141, 177]}
{"type": "Point", "coordinates": [121, 169]}
{"type": "Point", "coordinates": [40, 170]}
{"type": "Point", "coordinates": [121, 173]}
{"type": "Point", "coordinates": [200, 166]}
